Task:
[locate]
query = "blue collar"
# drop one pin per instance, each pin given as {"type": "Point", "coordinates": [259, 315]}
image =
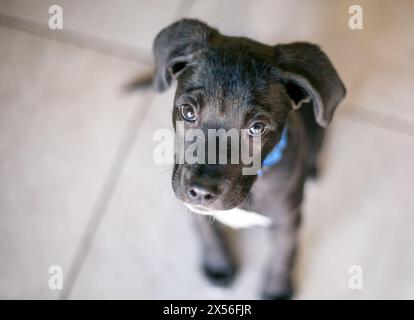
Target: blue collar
{"type": "Point", "coordinates": [274, 157]}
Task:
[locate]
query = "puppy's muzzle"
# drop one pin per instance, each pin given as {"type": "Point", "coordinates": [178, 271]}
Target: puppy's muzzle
{"type": "Point", "coordinates": [202, 191]}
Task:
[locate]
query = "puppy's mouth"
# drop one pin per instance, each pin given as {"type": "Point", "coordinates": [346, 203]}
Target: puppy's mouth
{"type": "Point", "coordinates": [198, 209]}
{"type": "Point", "coordinates": [208, 211]}
{"type": "Point", "coordinates": [236, 218]}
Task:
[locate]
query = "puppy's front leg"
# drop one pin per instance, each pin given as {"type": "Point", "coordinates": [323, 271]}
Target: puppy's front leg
{"type": "Point", "coordinates": [284, 239]}
{"type": "Point", "coordinates": [217, 262]}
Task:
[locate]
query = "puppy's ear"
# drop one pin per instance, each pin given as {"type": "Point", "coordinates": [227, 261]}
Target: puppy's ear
{"type": "Point", "coordinates": [175, 47]}
{"type": "Point", "coordinates": [309, 76]}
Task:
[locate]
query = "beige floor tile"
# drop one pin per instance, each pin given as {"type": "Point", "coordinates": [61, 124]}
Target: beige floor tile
{"type": "Point", "coordinates": [360, 213]}
{"type": "Point", "coordinates": [62, 116]}
{"type": "Point", "coordinates": [129, 22]}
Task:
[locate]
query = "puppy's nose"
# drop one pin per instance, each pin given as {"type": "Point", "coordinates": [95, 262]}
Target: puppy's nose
{"type": "Point", "coordinates": [202, 194]}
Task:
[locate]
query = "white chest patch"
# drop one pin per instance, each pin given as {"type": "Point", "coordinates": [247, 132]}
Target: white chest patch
{"type": "Point", "coordinates": [237, 218]}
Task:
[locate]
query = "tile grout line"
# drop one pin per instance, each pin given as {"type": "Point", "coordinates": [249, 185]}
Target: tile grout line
{"type": "Point", "coordinates": [104, 197]}
{"type": "Point", "coordinates": [89, 42]}
{"type": "Point", "coordinates": [110, 183]}
{"type": "Point", "coordinates": [78, 39]}
{"type": "Point", "coordinates": [379, 120]}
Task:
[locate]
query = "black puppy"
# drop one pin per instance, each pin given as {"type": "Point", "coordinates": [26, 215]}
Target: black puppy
{"type": "Point", "coordinates": [237, 83]}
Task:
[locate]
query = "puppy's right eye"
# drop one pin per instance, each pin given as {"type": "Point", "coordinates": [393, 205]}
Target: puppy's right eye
{"type": "Point", "coordinates": [188, 113]}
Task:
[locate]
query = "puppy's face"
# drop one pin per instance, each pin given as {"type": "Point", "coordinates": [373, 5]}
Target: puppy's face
{"type": "Point", "coordinates": [239, 86]}
{"type": "Point", "coordinates": [226, 90]}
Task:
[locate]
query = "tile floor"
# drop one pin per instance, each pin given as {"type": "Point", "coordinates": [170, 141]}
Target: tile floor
{"type": "Point", "coordinates": [72, 164]}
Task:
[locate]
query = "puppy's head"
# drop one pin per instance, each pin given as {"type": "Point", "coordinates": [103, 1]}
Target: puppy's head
{"type": "Point", "coordinates": [241, 85]}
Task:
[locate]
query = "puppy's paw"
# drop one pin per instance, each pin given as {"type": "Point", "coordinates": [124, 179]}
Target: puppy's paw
{"type": "Point", "coordinates": [277, 292]}
{"type": "Point", "coordinates": [286, 295]}
{"type": "Point", "coordinates": [220, 276]}
{"type": "Point", "coordinates": [313, 173]}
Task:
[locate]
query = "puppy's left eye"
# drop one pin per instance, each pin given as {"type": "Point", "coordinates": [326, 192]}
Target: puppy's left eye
{"type": "Point", "coordinates": [188, 112]}
{"type": "Point", "coordinates": [257, 129]}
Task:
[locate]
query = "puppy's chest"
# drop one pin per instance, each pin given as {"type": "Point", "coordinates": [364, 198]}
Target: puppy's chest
{"type": "Point", "coordinates": [239, 218]}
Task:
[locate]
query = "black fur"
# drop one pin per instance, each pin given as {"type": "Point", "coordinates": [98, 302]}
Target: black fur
{"type": "Point", "coordinates": [231, 81]}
